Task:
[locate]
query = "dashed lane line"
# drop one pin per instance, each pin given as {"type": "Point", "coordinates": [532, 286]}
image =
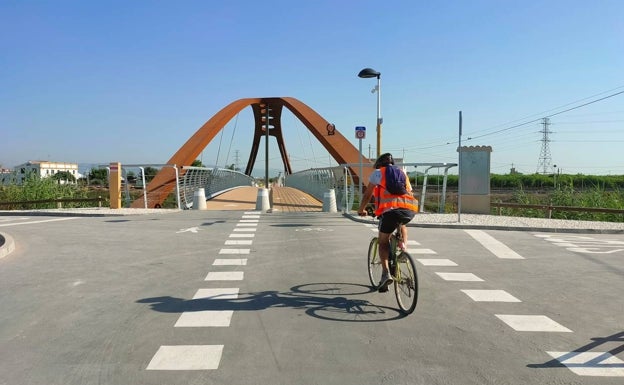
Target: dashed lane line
{"type": "Point", "coordinates": [490, 295]}
{"type": "Point", "coordinates": [230, 262]}
{"type": "Point", "coordinates": [532, 323]}
{"type": "Point", "coordinates": [186, 357]}
{"type": "Point", "coordinates": [596, 364]}
{"type": "Point", "coordinates": [208, 357]}
{"type": "Point", "coordinates": [495, 246]}
{"type": "Point", "coordinates": [461, 277]}
{"type": "Point", "coordinates": [205, 318]}
{"type": "Point", "coordinates": [436, 262]}
{"type": "Point", "coordinates": [35, 222]}
{"type": "Point", "coordinates": [582, 363]}
{"type": "Point", "coordinates": [234, 251]}
{"type": "Point", "coordinates": [217, 293]}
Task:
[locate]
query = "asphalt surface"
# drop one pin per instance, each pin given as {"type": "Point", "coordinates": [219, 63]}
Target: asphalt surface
{"type": "Point", "coordinates": [130, 299]}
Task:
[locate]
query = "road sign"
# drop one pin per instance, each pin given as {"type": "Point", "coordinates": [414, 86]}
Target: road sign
{"type": "Point", "coordinates": [360, 132]}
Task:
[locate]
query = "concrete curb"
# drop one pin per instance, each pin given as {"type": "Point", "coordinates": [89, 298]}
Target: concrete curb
{"type": "Point", "coordinates": [456, 225]}
{"type": "Point", "coordinates": [7, 245]}
{"type": "Point", "coordinates": [98, 212]}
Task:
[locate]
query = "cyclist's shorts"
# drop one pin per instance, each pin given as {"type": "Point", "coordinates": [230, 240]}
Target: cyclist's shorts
{"type": "Point", "coordinates": [389, 220]}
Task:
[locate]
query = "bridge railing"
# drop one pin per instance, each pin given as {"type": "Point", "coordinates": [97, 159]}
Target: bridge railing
{"type": "Point", "coordinates": [214, 181]}
{"type": "Point", "coordinates": [318, 181]}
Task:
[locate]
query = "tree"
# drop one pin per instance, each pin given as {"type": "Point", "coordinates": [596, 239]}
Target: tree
{"type": "Point", "coordinates": [64, 176]}
{"type": "Point", "coordinates": [197, 163]}
{"type": "Point", "coordinates": [131, 177]}
{"type": "Point", "coordinates": [150, 173]}
{"type": "Point", "coordinates": [98, 173]}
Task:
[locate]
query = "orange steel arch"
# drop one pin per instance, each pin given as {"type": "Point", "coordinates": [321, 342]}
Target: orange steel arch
{"type": "Point", "coordinates": [336, 144]}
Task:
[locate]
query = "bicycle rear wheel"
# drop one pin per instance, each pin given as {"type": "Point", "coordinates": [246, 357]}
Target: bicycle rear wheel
{"type": "Point", "coordinates": [374, 263]}
{"type": "Point", "coordinates": [406, 283]}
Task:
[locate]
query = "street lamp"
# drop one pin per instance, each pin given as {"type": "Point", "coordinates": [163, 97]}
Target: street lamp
{"type": "Point", "coordinates": [371, 73]}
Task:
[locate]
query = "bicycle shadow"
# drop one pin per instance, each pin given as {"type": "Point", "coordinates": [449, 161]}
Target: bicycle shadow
{"type": "Point", "coordinates": [586, 359]}
{"type": "Point", "coordinates": [326, 301]}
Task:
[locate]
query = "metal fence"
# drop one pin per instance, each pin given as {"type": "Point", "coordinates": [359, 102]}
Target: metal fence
{"type": "Point", "coordinates": [318, 181]}
{"type": "Point", "coordinates": [214, 181]}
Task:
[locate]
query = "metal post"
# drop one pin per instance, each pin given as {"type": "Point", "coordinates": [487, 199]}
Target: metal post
{"type": "Point", "coordinates": [144, 186]}
{"type": "Point", "coordinates": [346, 194]}
{"type": "Point", "coordinates": [266, 161]}
{"type": "Point", "coordinates": [459, 191]}
{"type": "Point", "coordinates": [423, 192]}
{"type": "Point", "coordinates": [360, 175]}
{"type": "Point", "coordinates": [177, 186]}
{"type": "Point", "coordinates": [379, 119]}
{"type": "Point", "coordinates": [441, 209]}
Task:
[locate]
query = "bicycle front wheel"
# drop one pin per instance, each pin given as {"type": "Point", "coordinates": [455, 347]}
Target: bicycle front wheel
{"type": "Point", "coordinates": [406, 283]}
{"type": "Point", "coordinates": [374, 263]}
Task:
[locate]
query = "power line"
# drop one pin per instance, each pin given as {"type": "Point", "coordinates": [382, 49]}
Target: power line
{"type": "Point", "coordinates": [549, 116]}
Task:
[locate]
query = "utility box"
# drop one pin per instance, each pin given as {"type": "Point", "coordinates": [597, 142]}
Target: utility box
{"type": "Point", "coordinates": [474, 179]}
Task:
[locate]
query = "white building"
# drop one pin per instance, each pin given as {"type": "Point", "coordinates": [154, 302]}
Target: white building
{"type": "Point", "coordinates": [44, 169]}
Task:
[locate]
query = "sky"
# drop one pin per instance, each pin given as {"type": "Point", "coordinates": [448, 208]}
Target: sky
{"type": "Point", "coordinates": [93, 82]}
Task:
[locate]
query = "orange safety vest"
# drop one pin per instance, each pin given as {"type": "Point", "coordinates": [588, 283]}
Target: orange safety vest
{"type": "Point", "coordinates": [386, 201]}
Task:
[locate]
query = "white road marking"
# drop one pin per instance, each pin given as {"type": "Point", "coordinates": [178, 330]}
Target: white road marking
{"type": "Point", "coordinates": [225, 276]}
{"type": "Point", "coordinates": [12, 219]}
{"type": "Point", "coordinates": [246, 224]}
{"type": "Point", "coordinates": [230, 262]}
{"type": "Point", "coordinates": [219, 293]}
{"type": "Point", "coordinates": [583, 244]}
{"type": "Point", "coordinates": [490, 296]}
{"type": "Point", "coordinates": [34, 222]}
{"type": "Point", "coordinates": [234, 251]}
{"type": "Point", "coordinates": [253, 212]}
{"type": "Point", "coordinates": [246, 229]}
{"type": "Point", "coordinates": [412, 242]}
{"type": "Point", "coordinates": [436, 262]}
{"type": "Point", "coordinates": [532, 323]}
{"type": "Point", "coordinates": [598, 364]}
{"type": "Point", "coordinates": [239, 242]}
{"type": "Point", "coordinates": [205, 318]}
{"type": "Point", "coordinates": [465, 277]}
{"type": "Point", "coordinates": [421, 251]}
{"type": "Point", "coordinates": [242, 235]}
{"type": "Point", "coordinates": [251, 216]}
{"type": "Point", "coordinates": [189, 230]}
{"type": "Point", "coordinates": [496, 247]}
{"type": "Point", "coordinates": [248, 221]}
{"type": "Point", "coordinates": [186, 357]}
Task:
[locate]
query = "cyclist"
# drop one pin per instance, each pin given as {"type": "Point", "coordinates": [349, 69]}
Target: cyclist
{"type": "Point", "coordinates": [391, 210]}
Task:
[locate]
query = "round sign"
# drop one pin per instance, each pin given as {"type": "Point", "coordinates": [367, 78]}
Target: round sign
{"type": "Point", "coordinates": [360, 134]}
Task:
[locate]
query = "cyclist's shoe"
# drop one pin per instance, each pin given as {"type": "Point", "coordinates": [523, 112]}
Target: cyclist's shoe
{"type": "Point", "coordinates": [401, 258]}
{"type": "Point", "coordinates": [386, 279]}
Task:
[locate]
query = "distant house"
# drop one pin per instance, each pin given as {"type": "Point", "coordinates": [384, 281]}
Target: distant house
{"type": "Point", "coordinates": [5, 175]}
{"type": "Point", "coordinates": [44, 169]}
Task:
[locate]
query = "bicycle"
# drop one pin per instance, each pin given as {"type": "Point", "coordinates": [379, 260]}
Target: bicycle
{"type": "Point", "coordinates": [402, 269]}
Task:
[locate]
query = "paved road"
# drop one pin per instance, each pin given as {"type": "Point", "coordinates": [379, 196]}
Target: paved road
{"type": "Point", "coordinates": [235, 297]}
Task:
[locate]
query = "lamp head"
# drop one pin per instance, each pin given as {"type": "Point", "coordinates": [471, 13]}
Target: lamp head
{"type": "Point", "coordinates": [369, 73]}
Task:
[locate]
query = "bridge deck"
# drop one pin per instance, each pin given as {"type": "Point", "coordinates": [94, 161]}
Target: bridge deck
{"type": "Point", "coordinates": [284, 199]}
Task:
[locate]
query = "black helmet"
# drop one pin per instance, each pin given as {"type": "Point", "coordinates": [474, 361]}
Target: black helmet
{"type": "Point", "coordinates": [384, 160]}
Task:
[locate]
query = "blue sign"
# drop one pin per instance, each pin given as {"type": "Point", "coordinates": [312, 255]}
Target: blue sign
{"type": "Point", "coordinates": [360, 132]}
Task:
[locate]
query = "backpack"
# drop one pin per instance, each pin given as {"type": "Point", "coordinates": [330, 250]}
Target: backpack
{"type": "Point", "coordinates": [395, 180]}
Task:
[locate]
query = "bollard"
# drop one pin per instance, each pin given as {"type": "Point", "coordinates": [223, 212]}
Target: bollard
{"type": "Point", "coordinates": [262, 201]}
{"type": "Point", "coordinates": [329, 201]}
{"type": "Point", "coordinates": [199, 199]}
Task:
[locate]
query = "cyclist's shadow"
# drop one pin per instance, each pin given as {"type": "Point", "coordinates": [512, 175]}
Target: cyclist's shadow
{"type": "Point", "coordinates": [328, 301]}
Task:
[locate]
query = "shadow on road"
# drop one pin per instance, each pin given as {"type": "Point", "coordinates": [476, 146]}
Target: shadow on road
{"type": "Point", "coordinates": [327, 301]}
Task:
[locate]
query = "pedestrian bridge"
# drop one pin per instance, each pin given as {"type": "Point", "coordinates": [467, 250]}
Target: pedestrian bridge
{"type": "Point", "coordinates": [284, 199]}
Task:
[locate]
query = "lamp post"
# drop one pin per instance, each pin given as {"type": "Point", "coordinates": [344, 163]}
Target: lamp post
{"type": "Point", "coordinates": [371, 73]}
